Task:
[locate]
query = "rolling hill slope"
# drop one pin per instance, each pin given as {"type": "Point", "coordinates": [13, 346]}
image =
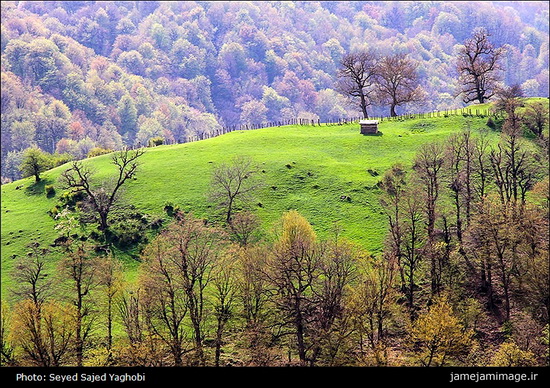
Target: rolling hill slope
{"type": "Point", "coordinates": [311, 169]}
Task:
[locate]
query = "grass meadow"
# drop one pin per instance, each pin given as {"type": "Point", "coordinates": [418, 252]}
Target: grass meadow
{"type": "Point", "coordinates": [328, 173]}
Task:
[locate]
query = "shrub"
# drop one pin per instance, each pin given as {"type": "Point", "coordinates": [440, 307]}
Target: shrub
{"type": "Point", "coordinates": [59, 159]}
{"type": "Point", "coordinates": [96, 151]}
{"type": "Point", "coordinates": [491, 123]}
{"type": "Point", "coordinates": [71, 198]}
{"type": "Point", "coordinates": [50, 191]}
{"type": "Point", "coordinates": [156, 223]}
{"type": "Point", "coordinates": [156, 141]}
{"type": "Point", "coordinates": [127, 233]}
{"type": "Point", "coordinates": [54, 211]}
{"type": "Point", "coordinates": [169, 208]}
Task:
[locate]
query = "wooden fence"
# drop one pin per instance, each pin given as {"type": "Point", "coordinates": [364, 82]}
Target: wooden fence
{"type": "Point", "coordinates": [465, 112]}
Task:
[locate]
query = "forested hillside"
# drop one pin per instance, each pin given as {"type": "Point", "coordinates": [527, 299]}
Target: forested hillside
{"type": "Point", "coordinates": [78, 76]}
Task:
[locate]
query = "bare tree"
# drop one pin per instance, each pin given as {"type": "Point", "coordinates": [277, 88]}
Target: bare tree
{"type": "Point", "coordinates": [536, 118]}
{"type": "Point", "coordinates": [478, 66]}
{"type": "Point", "coordinates": [129, 308]}
{"type": "Point", "coordinates": [508, 97]}
{"type": "Point", "coordinates": [233, 185]}
{"type": "Point", "coordinates": [394, 185]}
{"type": "Point", "coordinates": [164, 301]}
{"type": "Point", "coordinates": [337, 273]}
{"type": "Point", "coordinates": [514, 168]}
{"type": "Point", "coordinates": [397, 81]}
{"type": "Point", "coordinates": [496, 236]}
{"type": "Point", "coordinates": [7, 354]}
{"type": "Point", "coordinates": [428, 164]}
{"type": "Point", "coordinates": [244, 227]}
{"type": "Point", "coordinates": [413, 241]}
{"type": "Point", "coordinates": [45, 336]}
{"type": "Point", "coordinates": [30, 276]}
{"type": "Point", "coordinates": [356, 77]}
{"type": "Point", "coordinates": [101, 200]}
{"type": "Point", "coordinates": [33, 287]}
{"type": "Point", "coordinates": [459, 155]}
{"type": "Point", "coordinates": [252, 284]}
{"type": "Point", "coordinates": [110, 279]}
{"type": "Point", "coordinates": [372, 304]}
{"type": "Point", "coordinates": [81, 271]}
{"type": "Point", "coordinates": [191, 249]}
{"type": "Point", "coordinates": [225, 286]}
{"type": "Point", "coordinates": [481, 168]}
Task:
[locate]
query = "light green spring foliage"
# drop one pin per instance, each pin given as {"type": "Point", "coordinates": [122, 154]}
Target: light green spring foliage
{"type": "Point", "coordinates": [439, 335]}
{"type": "Point", "coordinates": [509, 354]}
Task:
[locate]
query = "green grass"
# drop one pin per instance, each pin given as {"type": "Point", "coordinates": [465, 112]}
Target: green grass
{"type": "Point", "coordinates": [326, 163]}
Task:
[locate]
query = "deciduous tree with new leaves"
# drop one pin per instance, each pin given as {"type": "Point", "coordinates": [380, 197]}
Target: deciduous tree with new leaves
{"type": "Point", "coordinates": [438, 335]}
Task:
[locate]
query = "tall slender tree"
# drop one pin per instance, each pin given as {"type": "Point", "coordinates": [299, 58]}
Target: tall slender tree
{"type": "Point", "coordinates": [428, 166]}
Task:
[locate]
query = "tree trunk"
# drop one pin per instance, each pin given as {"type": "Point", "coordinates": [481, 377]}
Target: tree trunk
{"type": "Point", "coordinates": [103, 226]}
{"type": "Point", "coordinates": [392, 110]}
{"type": "Point", "coordinates": [79, 342]}
{"type": "Point", "coordinates": [364, 106]}
{"type": "Point", "coordinates": [300, 339]}
{"type": "Point", "coordinates": [110, 324]}
{"type": "Point", "coordinates": [219, 333]}
{"type": "Point", "coordinates": [229, 211]}
{"type": "Point", "coordinates": [176, 352]}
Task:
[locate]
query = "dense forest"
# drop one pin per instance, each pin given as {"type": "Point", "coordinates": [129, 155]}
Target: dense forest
{"type": "Point", "coordinates": [461, 280]}
{"type": "Point", "coordinates": [83, 76]}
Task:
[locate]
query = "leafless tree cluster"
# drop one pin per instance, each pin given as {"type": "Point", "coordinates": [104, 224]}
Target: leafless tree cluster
{"type": "Point", "coordinates": [489, 232]}
{"type": "Point", "coordinates": [368, 78]}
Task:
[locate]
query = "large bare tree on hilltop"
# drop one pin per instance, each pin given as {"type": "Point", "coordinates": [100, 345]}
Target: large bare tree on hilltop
{"type": "Point", "coordinates": [478, 67]}
{"type": "Point", "coordinates": [398, 82]}
{"type": "Point", "coordinates": [356, 77]}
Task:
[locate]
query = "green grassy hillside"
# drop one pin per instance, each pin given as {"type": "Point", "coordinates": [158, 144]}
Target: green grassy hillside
{"type": "Point", "coordinates": [325, 162]}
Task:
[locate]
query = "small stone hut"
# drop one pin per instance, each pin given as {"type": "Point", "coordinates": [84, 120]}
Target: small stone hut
{"type": "Point", "coordinates": [369, 127]}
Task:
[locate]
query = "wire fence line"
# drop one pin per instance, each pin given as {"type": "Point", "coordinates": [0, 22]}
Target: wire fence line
{"type": "Point", "coordinates": [465, 112]}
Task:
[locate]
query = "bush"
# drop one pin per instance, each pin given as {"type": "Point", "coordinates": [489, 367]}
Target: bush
{"type": "Point", "coordinates": [169, 208]}
{"type": "Point", "coordinates": [491, 123]}
{"type": "Point", "coordinates": [59, 159]}
{"type": "Point", "coordinates": [127, 233]}
{"type": "Point", "coordinates": [54, 211]}
{"type": "Point", "coordinates": [50, 191]}
{"type": "Point", "coordinates": [71, 198]}
{"type": "Point", "coordinates": [96, 151]}
{"type": "Point", "coordinates": [156, 141]}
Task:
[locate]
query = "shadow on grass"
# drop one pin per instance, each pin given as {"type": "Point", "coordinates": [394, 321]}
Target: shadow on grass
{"type": "Point", "coordinates": [373, 134]}
{"type": "Point", "coordinates": [38, 188]}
